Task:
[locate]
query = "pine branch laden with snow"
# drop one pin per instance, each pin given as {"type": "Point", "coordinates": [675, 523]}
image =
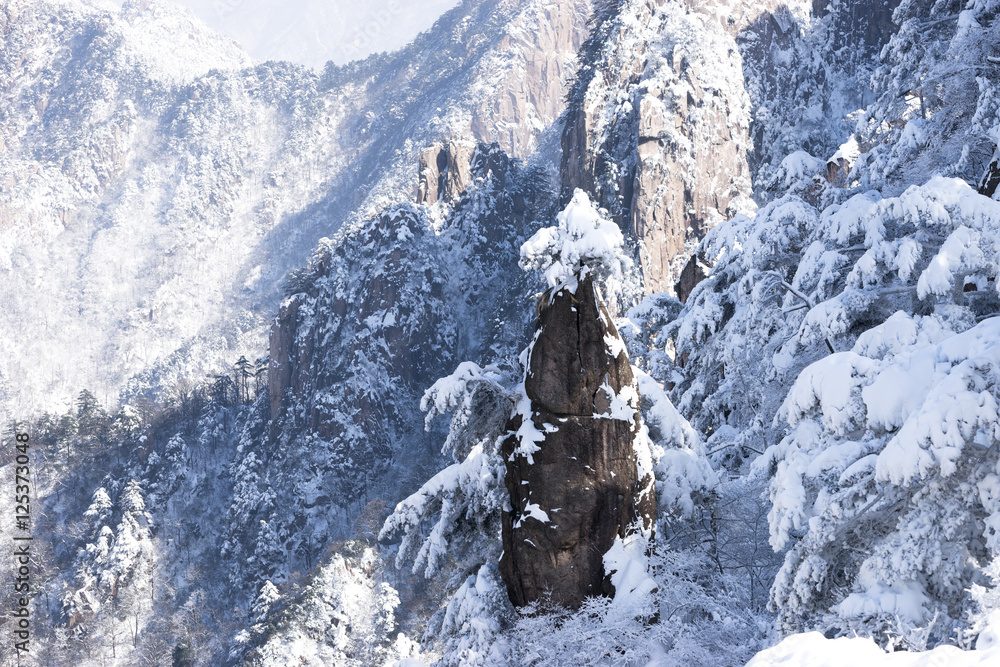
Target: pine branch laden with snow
{"type": "Point", "coordinates": [478, 402]}
{"type": "Point", "coordinates": [343, 616]}
{"type": "Point", "coordinates": [891, 471]}
{"type": "Point", "coordinates": [682, 471]}
{"type": "Point", "coordinates": [938, 108]}
{"type": "Point", "coordinates": [456, 514]}
{"type": "Point", "coordinates": [883, 486]}
{"type": "Point", "coordinates": [584, 242]}
{"type": "Point", "coordinates": [462, 503]}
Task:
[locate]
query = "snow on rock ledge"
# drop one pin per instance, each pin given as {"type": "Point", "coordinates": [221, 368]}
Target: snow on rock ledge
{"type": "Point", "coordinates": [627, 564]}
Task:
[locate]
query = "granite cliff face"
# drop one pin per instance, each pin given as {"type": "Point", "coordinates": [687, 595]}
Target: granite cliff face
{"type": "Point", "coordinates": [444, 172]}
{"type": "Point", "coordinates": [678, 111]}
{"type": "Point", "coordinates": [581, 488]}
{"type": "Point", "coordinates": [537, 56]}
{"type": "Point", "coordinates": [658, 129]}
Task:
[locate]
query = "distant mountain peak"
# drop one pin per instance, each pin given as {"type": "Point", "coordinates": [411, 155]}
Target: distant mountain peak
{"type": "Point", "coordinates": [175, 43]}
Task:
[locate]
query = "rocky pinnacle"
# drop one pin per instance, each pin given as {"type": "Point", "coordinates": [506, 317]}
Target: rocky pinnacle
{"type": "Point", "coordinates": [575, 491]}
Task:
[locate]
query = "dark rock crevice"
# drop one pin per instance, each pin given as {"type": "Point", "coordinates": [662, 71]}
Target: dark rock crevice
{"type": "Point", "coordinates": [991, 178]}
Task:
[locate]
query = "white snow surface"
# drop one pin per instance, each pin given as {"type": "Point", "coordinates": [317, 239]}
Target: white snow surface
{"type": "Point", "coordinates": [679, 464]}
{"type": "Point", "coordinates": [528, 435]}
{"type": "Point", "coordinates": [628, 565]}
{"type": "Point", "coordinates": [312, 32]}
{"type": "Point", "coordinates": [800, 166]}
{"type": "Point", "coordinates": [812, 649]}
{"type": "Point", "coordinates": [622, 405]}
{"type": "Point", "coordinates": [941, 398]}
{"type": "Point", "coordinates": [584, 241]}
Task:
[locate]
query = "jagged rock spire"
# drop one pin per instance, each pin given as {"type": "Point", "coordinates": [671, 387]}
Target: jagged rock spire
{"type": "Point", "coordinates": [575, 447]}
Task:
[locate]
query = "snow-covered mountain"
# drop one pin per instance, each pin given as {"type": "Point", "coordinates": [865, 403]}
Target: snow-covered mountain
{"type": "Point", "coordinates": [813, 404]}
{"type": "Point", "coordinates": [158, 186]}
{"type": "Point", "coordinates": [385, 309]}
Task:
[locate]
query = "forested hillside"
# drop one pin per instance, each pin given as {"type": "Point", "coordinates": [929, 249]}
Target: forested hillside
{"type": "Point", "coordinates": [634, 332]}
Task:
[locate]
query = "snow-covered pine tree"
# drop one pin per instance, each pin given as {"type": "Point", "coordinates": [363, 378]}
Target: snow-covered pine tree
{"type": "Point", "coordinates": [108, 603]}
{"type": "Point", "coordinates": [939, 95]}
{"type": "Point", "coordinates": [888, 465]}
{"type": "Point", "coordinates": [846, 343]}
{"type": "Point", "coordinates": [383, 310]}
{"type": "Point", "coordinates": [343, 614]}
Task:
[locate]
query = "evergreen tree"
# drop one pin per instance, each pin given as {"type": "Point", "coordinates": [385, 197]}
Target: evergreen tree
{"type": "Point", "coordinates": [853, 333]}
{"type": "Point", "coordinates": [183, 655]}
{"type": "Point", "coordinates": [244, 371]}
{"type": "Point", "coordinates": [224, 391]}
{"type": "Point", "coordinates": [939, 90]}
{"type": "Point", "coordinates": [91, 418]}
{"type": "Point", "coordinates": [260, 375]}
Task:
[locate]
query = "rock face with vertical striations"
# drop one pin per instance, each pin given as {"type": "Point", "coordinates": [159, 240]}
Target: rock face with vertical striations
{"type": "Point", "coordinates": [575, 491]}
{"type": "Point", "coordinates": [444, 171]}
{"type": "Point", "coordinates": [658, 129]}
{"type": "Point", "coordinates": [680, 106]}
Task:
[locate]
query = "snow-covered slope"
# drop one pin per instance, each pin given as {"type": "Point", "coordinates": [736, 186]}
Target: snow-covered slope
{"type": "Point", "coordinates": [835, 360]}
{"type": "Point", "coordinates": [312, 32]}
{"type": "Point", "coordinates": [385, 309]}
{"type": "Point", "coordinates": [156, 188]}
{"type": "Point", "coordinates": [815, 650]}
{"type": "Point", "coordinates": [847, 334]}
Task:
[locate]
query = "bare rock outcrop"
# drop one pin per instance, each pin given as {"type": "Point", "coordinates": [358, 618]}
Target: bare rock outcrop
{"type": "Point", "coordinates": [693, 273]}
{"type": "Point", "coordinates": [691, 171]}
{"type": "Point", "coordinates": [279, 372]}
{"type": "Point", "coordinates": [672, 116]}
{"type": "Point", "coordinates": [537, 58]}
{"type": "Point", "coordinates": [444, 171]}
{"type": "Point", "coordinates": [580, 487]}
{"type": "Point", "coordinates": [991, 177]}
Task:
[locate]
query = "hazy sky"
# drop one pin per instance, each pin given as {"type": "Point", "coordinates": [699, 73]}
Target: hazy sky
{"type": "Point", "coordinates": [314, 31]}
